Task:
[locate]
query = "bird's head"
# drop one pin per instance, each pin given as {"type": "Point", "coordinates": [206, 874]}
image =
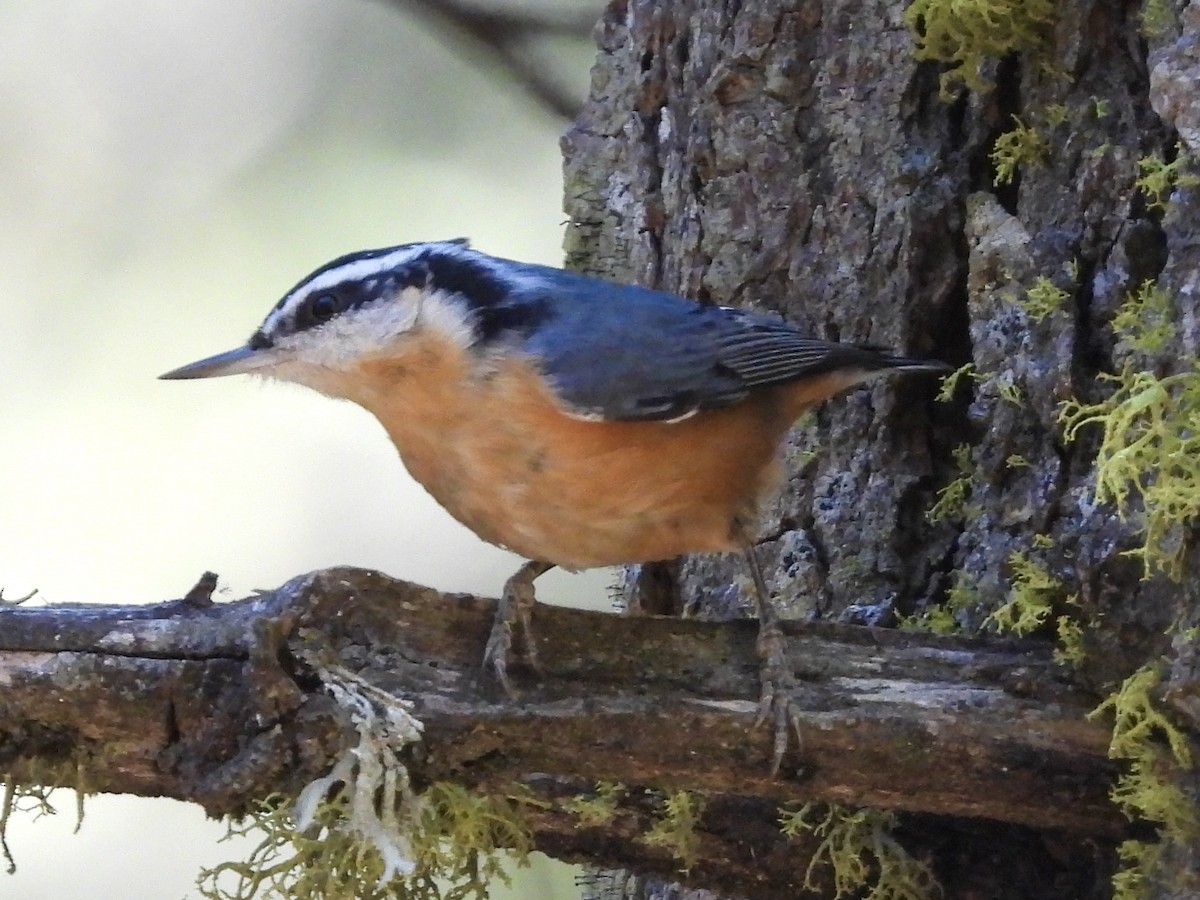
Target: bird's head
{"type": "Point", "coordinates": [364, 305]}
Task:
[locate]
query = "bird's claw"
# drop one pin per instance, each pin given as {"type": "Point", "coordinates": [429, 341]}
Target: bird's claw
{"type": "Point", "coordinates": [515, 608]}
{"type": "Point", "coordinates": [777, 678]}
{"type": "Point", "coordinates": [775, 699]}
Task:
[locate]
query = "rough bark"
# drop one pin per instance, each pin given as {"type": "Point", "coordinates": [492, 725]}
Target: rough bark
{"type": "Point", "coordinates": [215, 704]}
{"type": "Point", "coordinates": [798, 157]}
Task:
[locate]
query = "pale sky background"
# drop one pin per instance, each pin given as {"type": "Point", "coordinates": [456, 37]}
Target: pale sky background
{"type": "Point", "coordinates": [167, 171]}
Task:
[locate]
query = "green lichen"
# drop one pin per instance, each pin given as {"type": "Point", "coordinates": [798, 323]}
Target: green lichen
{"type": "Point", "coordinates": [677, 830]}
{"type": "Point", "coordinates": [33, 800]}
{"type": "Point", "coordinates": [951, 382]}
{"type": "Point", "coordinates": [1157, 19]}
{"type": "Point", "coordinates": [361, 831]}
{"type": "Point", "coordinates": [964, 33]}
{"type": "Point", "coordinates": [1137, 860]}
{"type": "Point", "coordinates": [805, 441]}
{"type": "Point", "coordinates": [1031, 599]}
{"type": "Point", "coordinates": [1056, 114]}
{"type": "Point", "coordinates": [1159, 178]}
{"type": "Point", "coordinates": [1149, 456]}
{"type": "Point", "coordinates": [1021, 146]}
{"type": "Point", "coordinates": [598, 808]}
{"type": "Point", "coordinates": [1008, 389]}
{"type": "Point", "coordinates": [944, 618]}
{"type": "Point", "coordinates": [857, 845]}
{"type": "Point", "coordinates": [33, 794]}
{"type": "Point", "coordinates": [1017, 461]}
{"type": "Point", "coordinates": [1146, 792]}
{"type": "Point", "coordinates": [1043, 299]}
{"type": "Point", "coordinates": [454, 845]}
{"type": "Point", "coordinates": [1069, 647]}
{"type": "Point", "coordinates": [1137, 721]}
{"type": "Point", "coordinates": [802, 458]}
{"type": "Point", "coordinates": [1142, 793]}
{"type": "Point", "coordinates": [951, 500]}
{"type": "Point", "coordinates": [1146, 320]}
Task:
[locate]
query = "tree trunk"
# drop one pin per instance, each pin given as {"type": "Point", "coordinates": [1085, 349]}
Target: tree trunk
{"type": "Point", "coordinates": [800, 157]}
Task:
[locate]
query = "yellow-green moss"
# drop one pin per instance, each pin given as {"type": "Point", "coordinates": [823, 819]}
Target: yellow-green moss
{"type": "Point", "coordinates": [964, 33]}
{"type": "Point", "coordinates": [1043, 299]}
{"type": "Point", "coordinates": [1031, 603]}
{"type": "Point", "coordinates": [1031, 599]}
{"type": "Point", "coordinates": [1145, 792]}
{"type": "Point", "coordinates": [951, 500]}
{"type": "Point", "coordinates": [455, 846]}
{"type": "Point", "coordinates": [1023, 146]}
{"type": "Point", "coordinates": [597, 808]}
{"type": "Point", "coordinates": [1069, 648]}
{"type": "Point", "coordinates": [1149, 454]}
{"type": "Point", "coordinates": [1157, 19]}
{"type": "Point", "coordinates": [1008, 389]}
{"type": "Point", "coordinates": [951, 382]}
{"type": "Point", "coordinates": [944, 618]}
{"type": "Point", "coordinates": [865, 860]}
{"type": "Point", "coordinates": [361, 831]}
{"type": "Point", "coordinates": [1137, 721]}
{"type": "Point", "coordinates": [1146, 320]}
{"type": "Point", "coordinates": [1056, 114]}
{"type": "Point", "coordinates": [676, 831]}
{"type": "Point", "coordinates": [1159, 179]}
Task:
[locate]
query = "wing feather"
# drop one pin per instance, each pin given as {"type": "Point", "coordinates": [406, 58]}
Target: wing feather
{"type": "Point", "coordinates": [628, 353]}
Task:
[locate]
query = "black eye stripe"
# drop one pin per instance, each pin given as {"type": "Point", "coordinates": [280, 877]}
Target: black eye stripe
{"type": "Point", "coordinates": [445, 266]}
{"type": "Point", "coordinates": [322, 305]}
{"type": "Point", "coordinates": [318, 308]}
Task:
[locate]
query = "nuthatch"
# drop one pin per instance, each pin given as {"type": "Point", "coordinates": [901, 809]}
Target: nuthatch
{"type": "Point", "coordinates": [574, 421]}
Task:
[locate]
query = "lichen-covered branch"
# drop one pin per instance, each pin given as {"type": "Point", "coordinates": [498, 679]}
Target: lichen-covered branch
{"type": "Point", "coordinates": [220, 704]}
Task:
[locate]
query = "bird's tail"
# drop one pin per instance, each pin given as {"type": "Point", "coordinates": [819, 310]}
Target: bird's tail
{"type": "Point", "coordinates": [889, 361]}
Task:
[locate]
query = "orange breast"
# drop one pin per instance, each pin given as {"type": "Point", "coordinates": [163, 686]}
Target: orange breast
{"type": "Point", "coordinates": [494, 448]}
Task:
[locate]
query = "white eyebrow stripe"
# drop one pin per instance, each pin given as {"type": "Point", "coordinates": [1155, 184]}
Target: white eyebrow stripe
{"type": "Point", "coordinates": [356, 270]}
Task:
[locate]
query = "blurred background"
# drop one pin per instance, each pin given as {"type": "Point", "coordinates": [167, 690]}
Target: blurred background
{"type": "Point", "coordinates": [167, 171]}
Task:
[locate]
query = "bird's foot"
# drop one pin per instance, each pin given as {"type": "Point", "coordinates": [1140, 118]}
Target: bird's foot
{"type": "Point", "coordinates": [515, 608]}
{"type": "Point", "coordinates": [778, 688]}
{"type": "Point", "coordinates": [775, 674]}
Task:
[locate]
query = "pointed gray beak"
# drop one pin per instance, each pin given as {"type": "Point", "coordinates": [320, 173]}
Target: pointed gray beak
{"type": "Point", "coordinates": [233, 362]}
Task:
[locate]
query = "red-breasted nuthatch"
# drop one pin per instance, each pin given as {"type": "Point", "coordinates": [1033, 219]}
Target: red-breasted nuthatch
{"type": "Point", "coordinates": [574, 421]}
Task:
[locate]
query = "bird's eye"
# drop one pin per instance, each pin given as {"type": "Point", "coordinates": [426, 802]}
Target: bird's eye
{"type": "Point", "coordinates": [324, 307]}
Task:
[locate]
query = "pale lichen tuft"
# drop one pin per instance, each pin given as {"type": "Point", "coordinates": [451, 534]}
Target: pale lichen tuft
{"type": "Point", "coordinates": [864, 857]}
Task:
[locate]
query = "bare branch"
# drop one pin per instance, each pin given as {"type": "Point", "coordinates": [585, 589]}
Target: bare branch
{"type": "Point", "coordinates": [502, 38]}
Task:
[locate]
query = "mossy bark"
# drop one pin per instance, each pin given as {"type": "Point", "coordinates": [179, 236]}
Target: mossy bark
{"type": "Point", "coordinates": [798, 157]}
{"type": "Point", "coordinates": [222, 704]}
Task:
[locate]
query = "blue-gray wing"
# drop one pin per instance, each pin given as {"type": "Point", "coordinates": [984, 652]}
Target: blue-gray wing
{"type": "Point", "coordinates": [627, 353]}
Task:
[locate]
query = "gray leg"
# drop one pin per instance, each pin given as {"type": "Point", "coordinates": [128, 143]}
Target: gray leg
{"type": "Point", "coordinates": [516, 605]}
{"type": "Point", "coordinates": [778, 680]}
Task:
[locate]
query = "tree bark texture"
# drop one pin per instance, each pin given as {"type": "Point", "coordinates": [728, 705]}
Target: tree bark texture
{"type": "Point", "coordinates": [796, 156]}
{"type": "Point", "coordinates": [216, 704]}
